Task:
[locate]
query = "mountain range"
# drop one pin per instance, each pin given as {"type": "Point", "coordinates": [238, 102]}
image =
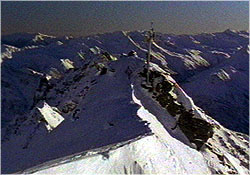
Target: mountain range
{"type": "Point", "coordinates": [82, 105]}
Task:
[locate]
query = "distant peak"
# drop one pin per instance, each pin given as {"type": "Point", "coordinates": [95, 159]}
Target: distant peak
{"type": "Point", "coordinates": [231, 31]}
{"type": "Point", "coordinates": [44, 35]}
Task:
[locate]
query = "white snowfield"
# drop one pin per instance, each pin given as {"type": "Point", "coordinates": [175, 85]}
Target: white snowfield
{"type": "Point", "coordinates": [145, 156]}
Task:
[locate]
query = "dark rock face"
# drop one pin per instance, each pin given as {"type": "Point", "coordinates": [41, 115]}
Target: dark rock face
{"type": "Point", "coordinates": [198, 131]}
{"type": "Point", "coordinates": [69, 107]}
{"type": "Point", "coordinates": [108, 57]}
{"type": "Point", "coordinates": [103, 71]}
{"type": "Point", "coordinates": [42, 90]}
{"type": "Point", "coordinates": [131, 53]}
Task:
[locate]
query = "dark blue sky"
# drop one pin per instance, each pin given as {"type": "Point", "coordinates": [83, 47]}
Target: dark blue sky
{"type": "Point", "coordinates": [81, 18]}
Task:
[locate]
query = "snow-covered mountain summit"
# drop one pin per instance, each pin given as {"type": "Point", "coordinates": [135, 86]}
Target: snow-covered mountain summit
{"type": "Point", "coordinates": [185, 56]}
{"type": "Point", "coordinates": [81, 105]}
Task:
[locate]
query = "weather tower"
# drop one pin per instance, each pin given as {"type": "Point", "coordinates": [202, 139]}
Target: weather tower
{"type": "Point", "coordinates": [150, 38]}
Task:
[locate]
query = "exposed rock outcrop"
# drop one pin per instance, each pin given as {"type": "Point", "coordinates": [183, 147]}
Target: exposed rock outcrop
{"type": "Point", "coordinates": [197, 130]}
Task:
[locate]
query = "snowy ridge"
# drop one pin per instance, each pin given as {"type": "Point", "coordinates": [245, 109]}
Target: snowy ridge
{"type": "Point", "coordinates": [142, 159]}
{"type": "Point", "coordinates": [87, 82]}
{"type": "Point", "coordinates": [134, 158]}
{"type": "Point", "coordinates": [78, 156]}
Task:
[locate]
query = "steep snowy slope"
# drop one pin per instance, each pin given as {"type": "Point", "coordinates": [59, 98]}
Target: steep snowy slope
{"type": "Point", "coordinates": [107, 113]}
{"type": "Point", "coordinates": [24, 69]}
{"type": "Point", "coordinates": [141, 155]}
{"type": "Point", "coordinates": [87, 105]}
{"type": "Point", "coordinates": [223, 88]}
{"type": "Point", "coordinates": [102, 114]}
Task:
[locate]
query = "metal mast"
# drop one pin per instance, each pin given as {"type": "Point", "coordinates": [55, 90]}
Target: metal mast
{"type": "Point", "coordinates": [150, 40]}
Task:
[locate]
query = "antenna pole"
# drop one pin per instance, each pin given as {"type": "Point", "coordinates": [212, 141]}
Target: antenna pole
{"type": "Point", "coordinates": [150, 39]}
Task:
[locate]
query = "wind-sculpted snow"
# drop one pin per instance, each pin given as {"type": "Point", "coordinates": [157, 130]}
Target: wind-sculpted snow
{"type": "Point", "coordinates": [88, 82]}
